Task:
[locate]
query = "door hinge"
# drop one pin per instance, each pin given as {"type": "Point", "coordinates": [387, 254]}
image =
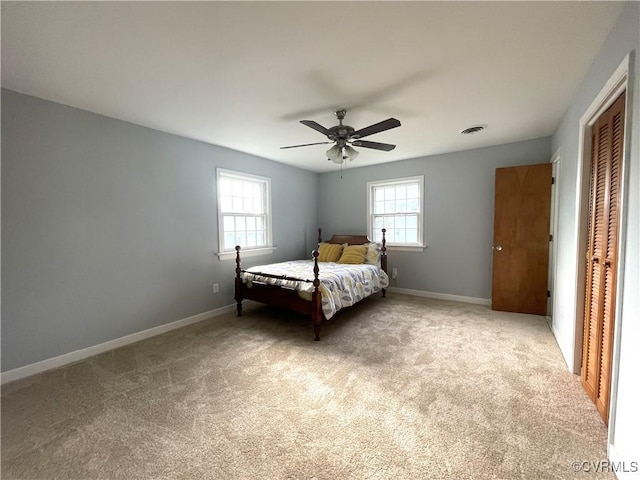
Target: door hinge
{"type": "Point", "coordinates": [548, 293]}
{"type": "Point", "coordinates": [553, 180]}
{"type": "Point", "coordinates": [550, 238]}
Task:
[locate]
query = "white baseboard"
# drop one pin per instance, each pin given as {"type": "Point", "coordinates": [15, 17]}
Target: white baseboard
{"type": "Point", "coordinates": [625, 468]}
{"type": "Point", "coordinates": [67, 358]}
{"type": "Point", "coordinates": [441, 296]}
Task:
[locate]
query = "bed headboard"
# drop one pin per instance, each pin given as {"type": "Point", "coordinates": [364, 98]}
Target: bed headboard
{"type": "Point", "coordinates": [350, 239]}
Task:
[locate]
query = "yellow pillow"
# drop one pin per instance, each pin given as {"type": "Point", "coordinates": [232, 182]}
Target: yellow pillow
{"type": "Point", "coordinates": [329, 252]}
{"type": "Point", "coordinates": [353, 254]}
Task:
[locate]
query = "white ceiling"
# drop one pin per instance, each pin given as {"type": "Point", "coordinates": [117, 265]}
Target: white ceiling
{"type": "Point", "coordinates": [241, 74]}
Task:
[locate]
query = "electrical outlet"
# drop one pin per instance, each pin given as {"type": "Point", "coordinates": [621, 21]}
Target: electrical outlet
{"type": "Point", "coordinates": [216, 287]}
{"type": "Point", "coordinates": [394, 273]}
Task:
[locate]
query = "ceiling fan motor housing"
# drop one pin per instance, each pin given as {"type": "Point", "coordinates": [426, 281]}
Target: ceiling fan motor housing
{"type": "Point", "coordinates": [341, 132]}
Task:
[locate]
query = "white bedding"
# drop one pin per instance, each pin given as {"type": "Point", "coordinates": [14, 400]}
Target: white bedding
{"type": "Point", "coordinates": [341, 285]}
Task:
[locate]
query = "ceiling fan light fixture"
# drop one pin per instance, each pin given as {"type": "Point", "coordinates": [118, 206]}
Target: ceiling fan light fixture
{"type": "Point", "coordinates": [335, 154]}
{"type": "Point", "coordinates": [350, 152]}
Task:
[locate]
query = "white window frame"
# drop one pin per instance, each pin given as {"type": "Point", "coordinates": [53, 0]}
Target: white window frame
{"type": "Point", "coordinates": [409, 247]}
{"type": "Point", "coordinates": [230, 253]}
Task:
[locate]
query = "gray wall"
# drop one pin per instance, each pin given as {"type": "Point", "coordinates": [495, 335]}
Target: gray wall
{"type": "Point", "coordinates": [109, 228]}
{"type": "Point", "coordinates": [623, 39]}
{"type": "Point", "coordinates": [458, 213]}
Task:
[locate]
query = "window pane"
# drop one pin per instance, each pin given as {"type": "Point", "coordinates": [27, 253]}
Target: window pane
{"type": "Point", "coordinates": [261, 239]}
{"type": "Point", "coordinates": [389, 193]}
{"type": "Point", "coordinates": [389, 207]}
{"type": "Point", "coordinates": [378, 194]}
{"type": "Point", "coordinates": [236, 204]}
{"type": "Point", "coordinates": [413, 205]}
{"type": "Point", "coordinates": [228, 240]}
{"type": "Point", "coordinates": [377, 236]}
{"type": "Point", "coordinates": [225, 204]}
{"type": "Point", "coordinates": [413, 191]}
{"type": "Point", "coordinates": [256, 207]}
{"type": "Point", "coordinates": [401, 192]}
{"type": "Point", "coordinates": [251, 223]}
{"type": "Point", "coordinates": [412, 235]}
{"type": "Point", "coordinates": [401, 206]}
{"type": "Point", "coordinates": [259, 223]}
{"type": "Point", "coordinates": [379, 207]}
{"type": "Point", "coordinates": [229, 224]}
{"type": "Point", "coordinates": [412, 221]}
{"type": "Point", "coordinates": [251, 239]}
{"type": "Point", "coordinates": [241, 239]}
{"type": "Point", "coordinates": [399, 236]}
{"type": "Point", "coordinates": [399, 221]}
{"type": "Point", "coordinates": [236, 187]}
{"type": "Point", "coordinates": [247, 189]}
{"type": "Point", "coordinates": [240, 223]}
{"type": "Point", "coordinates": [388, 222]}
{"type": "Point", "coordinates": [225, 186]}
{"type": "Point", "coordinates": [377, 223]}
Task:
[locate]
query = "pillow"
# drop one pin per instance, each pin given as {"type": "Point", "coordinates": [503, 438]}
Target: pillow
{"type": "Point", "coordinates": [372, 256]}
{"type": "Point", "coordinates": [353, 254]}
{"type": "Point", "coordinates": [329, 252]}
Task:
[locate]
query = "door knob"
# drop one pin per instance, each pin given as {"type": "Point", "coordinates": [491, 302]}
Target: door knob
{"type": "Point", "coordinates": [498, 247]}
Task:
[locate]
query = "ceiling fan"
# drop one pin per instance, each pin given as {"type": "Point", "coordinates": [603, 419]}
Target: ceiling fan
{"type": "Point", "coordinates": [345, 136]}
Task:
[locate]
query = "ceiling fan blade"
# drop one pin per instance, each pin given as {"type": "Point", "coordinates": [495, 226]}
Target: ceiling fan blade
{"type": "Point", "coordinates": [387, 124]}
{"type": "Point", "coordinates": [375, 145]}
{"type": "Point", "coordinates": [304, 145]}
{"type": "Point", "coordinates": [316, 126]}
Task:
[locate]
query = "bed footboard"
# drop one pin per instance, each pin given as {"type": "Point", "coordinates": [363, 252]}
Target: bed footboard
{"type": "Point", "coordinates": [238, 286]}
{"type": "Point", "coordinates": [383, 257]}
{"type": "Point", "coordinates": [316, 298]}
{"type": "Point", "coordinates": [279, 297]}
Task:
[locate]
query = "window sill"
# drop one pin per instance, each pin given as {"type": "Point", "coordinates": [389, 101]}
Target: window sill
{"type": "Point", "coordinates": [406, 248]}
{"type": "Point", "coordinates": [254, 252]}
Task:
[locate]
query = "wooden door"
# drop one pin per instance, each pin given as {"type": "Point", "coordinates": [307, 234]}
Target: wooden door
{"type": "Point", "coordinates": [602, 255]}
{"type": "Point", "coordinates": [521, 239]}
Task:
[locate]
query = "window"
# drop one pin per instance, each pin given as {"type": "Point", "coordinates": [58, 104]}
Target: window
{"type": "Point", "coordinates": [397, 206]}
{"type": "Point", "coordinates": [244, 203]}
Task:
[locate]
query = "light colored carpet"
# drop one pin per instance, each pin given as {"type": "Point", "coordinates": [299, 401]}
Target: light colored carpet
{"type": "Point", "coordinates": [398, 388]}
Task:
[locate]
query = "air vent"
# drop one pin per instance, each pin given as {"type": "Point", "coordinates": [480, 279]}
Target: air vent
{"type": "Point", "coordinates": [472, 129]}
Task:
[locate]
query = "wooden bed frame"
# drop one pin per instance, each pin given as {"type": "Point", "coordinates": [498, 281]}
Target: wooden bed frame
{"type": "Point", "coordinates": [278, 296]}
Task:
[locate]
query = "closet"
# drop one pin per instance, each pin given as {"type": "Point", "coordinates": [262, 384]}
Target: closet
{"type": "Point", "coordinates": [602, 254]}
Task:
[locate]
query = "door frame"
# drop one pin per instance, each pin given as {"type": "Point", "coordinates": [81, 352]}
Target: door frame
{"type": "Point", "coordinates": [554, 228]}
{"type": "Point", "coordinates": [617, 83]}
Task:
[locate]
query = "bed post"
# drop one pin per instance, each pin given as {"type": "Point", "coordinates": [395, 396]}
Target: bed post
{"type": "Point", "coordinates": [238, 293]}
{"type": "Point", "coordinates": [316, 297]}
{"type": "Point", "coordinates": [319, 235]}
{"type": "Point", "coordinates": [383, 257]}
